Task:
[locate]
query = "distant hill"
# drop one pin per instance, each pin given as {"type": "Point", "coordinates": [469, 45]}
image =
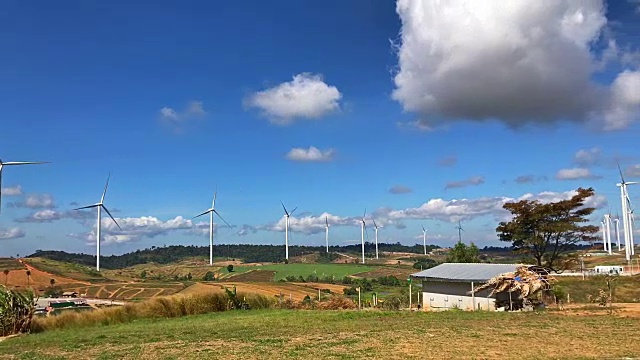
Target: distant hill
{"type": "Point", "coordinates": [248, 253]}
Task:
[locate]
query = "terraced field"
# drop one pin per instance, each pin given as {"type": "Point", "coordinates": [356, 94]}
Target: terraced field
{"type": "Point", "coordinates": [126, 291]}
{"type": "Point", "coordinates": [252, 276]}
{"type": "Point", "coordinates": [288, 290]}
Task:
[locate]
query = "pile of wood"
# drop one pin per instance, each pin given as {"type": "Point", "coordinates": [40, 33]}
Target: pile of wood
{"type": "Point", "coordinates": [525, 282]}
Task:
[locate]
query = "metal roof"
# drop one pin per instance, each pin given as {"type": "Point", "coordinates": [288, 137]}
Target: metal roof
{"type": "Point", "coordinates": [464, 272]}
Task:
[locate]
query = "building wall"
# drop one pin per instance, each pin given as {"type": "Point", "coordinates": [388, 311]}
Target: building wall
{"type": "Point", "coordinates": [437, 295]}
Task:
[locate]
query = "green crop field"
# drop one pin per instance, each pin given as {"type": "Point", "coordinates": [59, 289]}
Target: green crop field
{"type": "Point", "coordinates": [278, 334]}
{"type": "Point", "coordinates": [321, 270]}
{"type": "Point", "coordinates": [10, 264]}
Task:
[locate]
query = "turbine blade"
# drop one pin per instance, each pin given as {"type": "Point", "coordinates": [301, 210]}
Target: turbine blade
{"type": "Point", "coordinates": [215, 196]}
{"type": "Point", "coordinates": [105, 189]}
{"type": "Point", "coordinates": [220, 216]}
{"type": "Point", "coordinates": [87, 207]}
{"type": "Point", "coordinates": [620, 170]}
{"type": "Point", "coordinates": [423, 228]}
{"type": "Point", "coordinates": [0, 188]}
{"type": "Point", "coordinates": [285, 209]}
{"type": "Point", "coordinates": [326, 220]}
{"type": "Point", "coordinates": [364, 215]}
{"type": "Point", "coordinates": [294, 210]}
{"type": "Point", "coordinates": [374, 224]}
{"type": "Point", "coordinates": [204, 213]}
{"type": "Point", "coordinates": [24, 163]}
{"type": "Point", "coordinates": [111, 216]}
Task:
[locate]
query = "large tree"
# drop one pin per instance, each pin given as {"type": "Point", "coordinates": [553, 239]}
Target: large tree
{"type": "Point", "coordinates": [548, 231]}
{"type": "Point", "coordinates": [461, 253]}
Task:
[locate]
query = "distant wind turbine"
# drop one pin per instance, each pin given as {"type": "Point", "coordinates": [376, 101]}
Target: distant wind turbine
{"type": "Point", "coordinates": [460, 230]}
{"type": "Point", "coordinates": [15, 163]}
{"type": "Point", "coordinates": [375, 226]}
{"type": "Point", "coordinates": [212, 211]}
{"type": "Point", "coordinates": [286, 229]}
{"type": "Point", "coordinates": [626, 215]}
{"type": "Point", "coordinates": [364, 228]}
{"type": "Point", "coordinates": [617, 221]}
{"type": "Point", "coordinates": [100, 206]}
{"type": "Point", "coordinates": [326, 232]}
{"type": "Point", "coordinates": [424, 239]}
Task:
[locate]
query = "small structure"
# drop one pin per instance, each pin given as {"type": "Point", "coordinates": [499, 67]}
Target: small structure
{"type": "Point", "coordinates": [70, 294]}
{"type": "Point", "coordinates": [608, 270]}
{"type": "Point", "coordinates": [452, 286]}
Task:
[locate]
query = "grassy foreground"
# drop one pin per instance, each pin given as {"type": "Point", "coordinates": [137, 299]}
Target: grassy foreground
{"type": "Point", "coordinates": [337, 335]}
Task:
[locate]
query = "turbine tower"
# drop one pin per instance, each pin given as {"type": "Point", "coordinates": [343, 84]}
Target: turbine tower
{"type": "Point", "coordinates": [460, 230]}
{"type": "Point", "coordinates": [286, 229]}
{"type": "Point", "coordinates": [626, 215]}
{"type": "Point", "coordinates": [375, 226]}
{"type": "Point", "coordinates": [604, 235]}
{"type": "Point", "coordinates": [100, 206]}
{"type": "Point", "coordinates": [212, 211]}
{"type": "Point", "coordinates": [14, 163]}
{"type": "Point", "coordinates": [363, 230]}
{"type": "Point", "coordinates": [326, 232]}
{"type": "Point", "coordinates": [607, 225]}
{"type": "Point", "coordinates": [424, 239]}
{"type": "Point", "coordinates": [617, 221]}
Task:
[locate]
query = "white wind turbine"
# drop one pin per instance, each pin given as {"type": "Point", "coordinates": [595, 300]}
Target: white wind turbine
{"type": "Point", "coordinates": [212, 211]}
{"type": "Point", "coordinates": [375, 226]}
{"type": "Point", "coordinates": [14, 163]}
{"type": "Point", "coordinates": [617, 221]}
{"type": "Point", "coordinates": [100, 206]}
{"type": "Point", "coordinates": [364, 228]}
{"type": "Point", "coordinates": [424, 239]}
{"type": "Point", "coordinates": [607, 225]}
{"type": "Point", "coordinates": [326, 232]}
{"type": "Point", "coordinates": [286, 229]}
{"type": "Point", "coordinates": [626, 215]}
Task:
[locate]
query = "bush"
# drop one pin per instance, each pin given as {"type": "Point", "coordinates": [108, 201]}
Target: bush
{"type": "Point", "coordinates": [337, 303]}
{"type": "Point", "coordinates": [16, 311]}
{"type": "Point", "coordinates": [53, 291]}
{"type": "Point", "coordinates": [209, 276]}
{"type": "Point", "coordinates": [230, 268]}
{"type": "Point", "coordinates": [351, 291]}
{"type": "Point", "coordinates": [392, 303]}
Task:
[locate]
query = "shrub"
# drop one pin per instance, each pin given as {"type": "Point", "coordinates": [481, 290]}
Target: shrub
{"type": "Point", "coordinates": [337, 303]}
{"type": "Point", "coordinates": [16, 311]}
{"type": "Point", "coordinates": [230, 268]}
{"type": "Point", "coordinates": [392, 303]}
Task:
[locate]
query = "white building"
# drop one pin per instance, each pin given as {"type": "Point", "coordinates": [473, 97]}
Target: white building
{"type": "Point", "coordinates": [614, 270]}
{"type": "Point", "coordinates": [447, 286]}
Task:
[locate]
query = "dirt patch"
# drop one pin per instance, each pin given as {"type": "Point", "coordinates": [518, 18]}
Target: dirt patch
{"type": "Point", "coordinates": [37, 279]}
{"type": "Point", "coordinates": [336, 289]}
{"type": "Point", "coordinates": [252, 276]}
{"type": "Point", "coordinates": [287, 290]}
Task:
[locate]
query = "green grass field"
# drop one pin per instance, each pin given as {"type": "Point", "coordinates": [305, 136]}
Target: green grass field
{"type": "Point", "coordinates": [278, 334]}
{"type": "Point", "coordinates": [283, 270]}
{"type": "Point", "coordinates": [10, 264]}
{"type": "Point", "coordinates": [69, 270]}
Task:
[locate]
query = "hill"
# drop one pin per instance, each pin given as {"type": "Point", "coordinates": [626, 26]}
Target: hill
{"type": "Point", "coordinates": [248, 253]}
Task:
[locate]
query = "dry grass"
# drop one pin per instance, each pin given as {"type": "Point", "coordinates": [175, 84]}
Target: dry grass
{"type": "Point", "coordinates": [160, 307]}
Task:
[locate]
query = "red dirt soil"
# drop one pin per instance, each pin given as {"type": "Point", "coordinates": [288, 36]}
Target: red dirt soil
{"type": "Point", "coordinates": [38, 279]}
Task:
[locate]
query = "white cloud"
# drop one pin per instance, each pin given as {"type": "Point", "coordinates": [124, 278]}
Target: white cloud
{"type": "Point", "coordinates": [633, 171]}
{"type": "Point", "coordinates": [467, 209]}
{"type": "Point", "coordinates": [11, 233]}
{"type": "Point", "coordinates": [36, 201]}
{"type": "Point", "coordinates": [575, 174]}
{"type": "Point", "coordinates": [625, 101]}
{"type": "Point", "coordinates": [588, 157]}
{"type": "Point", "coordinates": [400, 189]}
{"type": "Point", "coordinates": [41, 216]}
{"type": "Point", "coordinates": [307, 96]}
{"type": "Point", "coordinates": [179, 119]}
{"type": "Point", "coordinates": [12, 191]}
{"type": "Point", "coordinates": [420, 124]}
{"type": "Point", "coordinates": [472, 181]}
{"type": "Point", "coordinates": [312, 154]}
{"type": "Point", "coordinates": [311, 224]}
{"type": "Point", "coordinates": [518, 62]}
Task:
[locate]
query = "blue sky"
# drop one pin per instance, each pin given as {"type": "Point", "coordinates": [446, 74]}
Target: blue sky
{"type": "Point", "coordinates": [325, 105]}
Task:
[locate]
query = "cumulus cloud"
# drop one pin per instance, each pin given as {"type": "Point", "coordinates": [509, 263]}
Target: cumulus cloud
{"type": "Point", "coordinates": [467, 209]}
{"type": "Point", "coordinates": [11, 233]}
{"type": "Point", "coordinates": [12, 190]}
{"type": "Point", "coordinates": [179, 119]}
{"type": "Point", "coordinates": [246, 230]}
{"type": "Point", "coordinates": [36, 201]}
{"type": "Point", "coordinates": [472, 181]}
{"type": "Point", "coordinates": [528, 62]}
{"type": "Point", "coordinates": [43, 216]}
{"type": "Point", "coordinates": [625, 101]}
{"type": "Point", "coordinates": [633, 171]}
{"type": "Point", "coordinates": [312, 154]}
{"type": "Point", "coordinates": [575, 174]}
{"type": "Point", "coordinates": [307, 96]}
{"type": "Point", "coordinates": [448, 161]}
{"type": "Point", "coordinates": [400, 189]}
{"type": "Point", "coordinates": [588, 157]}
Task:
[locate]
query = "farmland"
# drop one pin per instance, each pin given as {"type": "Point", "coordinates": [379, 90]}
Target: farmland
{"type": "Point", "coordinates": [337, 271]}
{"type": "Point", "coordinates": [337, 334]}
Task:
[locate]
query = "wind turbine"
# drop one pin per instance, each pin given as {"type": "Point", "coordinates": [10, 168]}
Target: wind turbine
{"type": "Point", "coordinates": [326, 232]}
{"type": "Point", "coordinates": [286, 229]}
{"type": "Point", "coordinates": [375, 226]}
{"type": "Point", "coordinates": [460, 230]}
{"type": "Point", "coordinates": [604, 235]}
{"type": "Point", "coordinates": [607, 225]}
{"type": "Point", "coordinates": [363, 230]}
{"type": "Point", "coordinates": [424, 239]}
{"type": "Point", "coordinates": [212, 211]}
{"type": "Point", "coordinates": [100, 206]}
{"type": "Point", "coordinates": [15, 163]}
{"type": "Point", "coordinates": [617, 221]}
{"type": "Point", "coordinates": [626, 223]}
